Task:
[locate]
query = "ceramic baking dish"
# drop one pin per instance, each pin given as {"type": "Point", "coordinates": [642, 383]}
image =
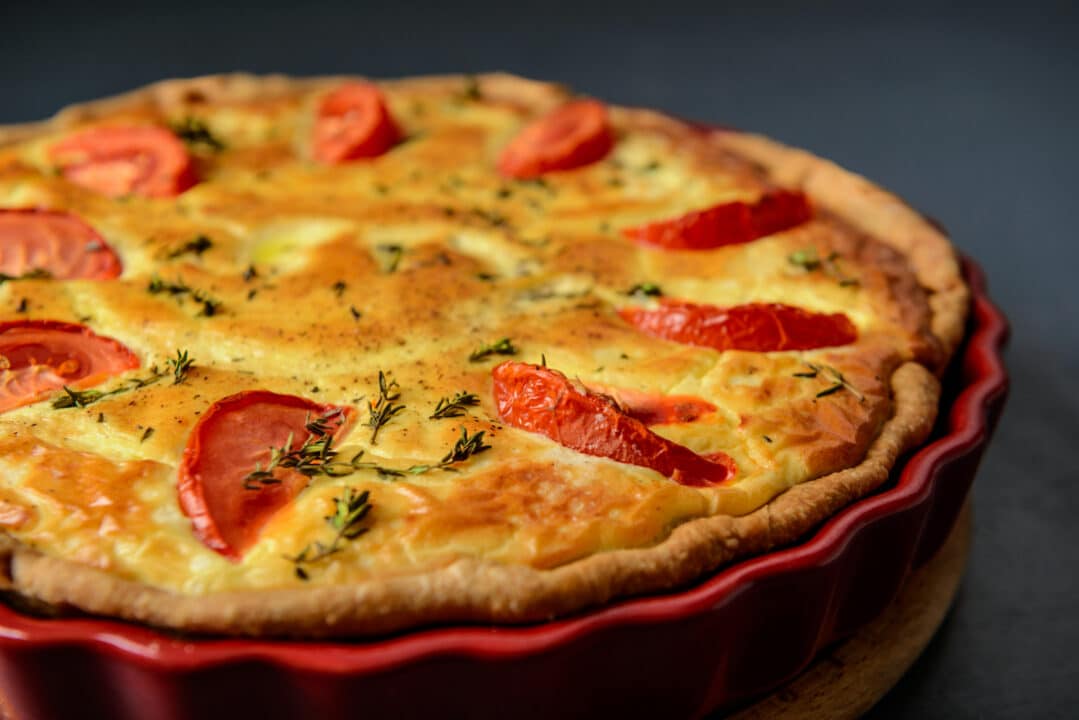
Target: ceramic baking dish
{"type": "Point", "coordinates": [737, 634]}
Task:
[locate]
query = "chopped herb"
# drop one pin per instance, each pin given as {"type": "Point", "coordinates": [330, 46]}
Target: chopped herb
{"type": "Point", "coordinates": [383, 409]}
{"type": "Point", "coordinates": [356, 314]}
{"type": "Point", "coordinates": [810, 261]}
{"type": "Point", "coordinates": [394, 254]}
{"type": "Point", "coordinates": [195, 133]}
{"type": "Point", "coordinates": [504, 192]}
{"type": "Point", "coordinates": [471, 91]}
{"type": "Point", "coordinates": [146, 434]}
{"type": "Point", "coordinates": [24, 305]}
{"type": "Point", "coordinates": [250, 273]}
{"type": "Point", "coordinates": [492, 218]}
{"type": "Point", "coordinates": [646, 289]}
{"type": "Point", "coordinates": [455, 406]}
{"type": "Point", "coordinates": [101, 417]}
{"type": "Point", "coordinates": [196, 246]}
{"type": "Point", "coordinates": [178, 289]}
{"type": "Point", "coordinates": [501, 347]}
{"type": "Point", "coordinates": [839, 382]}
{"type": "Point", "coordinates": [766, 438]}
{"type": "Point", "coordinates": [339, 288]}
{"type": "Point", "coordinates": [347, 521]}
{"type": "Point", "coordinates": [651, 166]}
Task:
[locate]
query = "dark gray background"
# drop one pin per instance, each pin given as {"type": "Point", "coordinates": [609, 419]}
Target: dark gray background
{"type": "Point", "coordinates": [969, 113]}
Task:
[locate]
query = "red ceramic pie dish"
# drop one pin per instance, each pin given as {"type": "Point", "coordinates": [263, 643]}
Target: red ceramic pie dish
{"type": "Point", "coordinates": [737, 634]}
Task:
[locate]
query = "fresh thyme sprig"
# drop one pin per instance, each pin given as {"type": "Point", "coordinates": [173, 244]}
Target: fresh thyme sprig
{"type": "Point", "coordinates": [645, 289]}
{"type": "Point", "coordinates": [465, 447]}
{"type": "Point", "coordinates": [194, 132]}
{"type": "Point", "coordinates": [83, 398]}
{"type": "Point", "coordinates": [838, 381]}
{"type": "Point", "coordinates": [179, 289]}
{"type": "Point", "coordinates": [178, 367]}
{"type": "Point", "coordinates": [315, 456]}
{"type": "Point", "coordinates": [809, 260]}
{"type": "Point", "coordinates": [383, 409]}
{"type": "Point", "coordinates": [195, 246]}
{"type": "Point", "coordinates": [347, 521]}
{"type": "Point", "coordinates": [455, 406]}
{"type": "Point", "coordinates": [500, 347]}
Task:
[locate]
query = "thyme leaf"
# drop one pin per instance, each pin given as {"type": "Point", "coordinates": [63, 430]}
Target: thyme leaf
{"type": "Point", "coordinates": [455, 406]}
{"type": "Point", "coordinates": [645, 289]}
{"type": "Point", "coordinates": [195, 246]}
{"type": "Point", "coordinates": [195, 133]}
{"type": "Point", "coordinates": [810, 261]}
{"type": "Point", "coordinates": [503, 346]}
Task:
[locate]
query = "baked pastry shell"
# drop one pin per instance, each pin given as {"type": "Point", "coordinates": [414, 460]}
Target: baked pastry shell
{"type": "Point", "coordinates": [738, 633]}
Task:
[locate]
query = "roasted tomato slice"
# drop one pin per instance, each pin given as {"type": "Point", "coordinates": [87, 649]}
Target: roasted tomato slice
{"type": "Point", "coordinates": [58, 243]}
{"type": "Point", "coordinates": [126, 160]}
{"type": "Point", "coordinates": [758, 327]}
{"type": "Point", "coordinates": [655, 408]}
{"type": "Point", "coordinates": [575, 134]}
{"type": "Point", "coordinates": [232, 437]}
{"type": "Point", "coordinates": [544, 401]}
{"type": "Point", "coordinates": [38, 357]}
{"type": "Point", "coordinates": [353, 122]}
{"type": "Point", "coordinates": [726, 224]}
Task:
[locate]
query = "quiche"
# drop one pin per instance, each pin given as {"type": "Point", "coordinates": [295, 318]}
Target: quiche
{"type": "Point", "coordinates": [332, 357]}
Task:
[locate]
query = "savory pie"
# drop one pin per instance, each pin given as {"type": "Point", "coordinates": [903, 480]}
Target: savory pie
{"type": "Point", "coordinates": [332, 357]}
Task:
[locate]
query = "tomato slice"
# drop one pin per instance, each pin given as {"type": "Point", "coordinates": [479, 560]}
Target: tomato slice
{"type": "Point", "coordinates": [759, 327]}
{"type": "Point", "coordinates": [353, 122]}
{"type": "Point", "coordinates": [126, 160]}
{"type": "Point", "coordinates": [544, 401]}
{"type": "Point", "coordinates": [229, 440]}
{"type": "Point", "coordinates": [655, 408]}
{"type": "Point", "coordinates": [575, 134]}
{"type": "Point", "coordinates": [38, 357]}
{"type": "Point", "coordinates": [57, 242]}
{"type": "Point", "coordinates": [730, 223]}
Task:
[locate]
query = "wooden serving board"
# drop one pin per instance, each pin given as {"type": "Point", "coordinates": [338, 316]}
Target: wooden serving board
{"type": "Point", "coordinates": [849, 678]}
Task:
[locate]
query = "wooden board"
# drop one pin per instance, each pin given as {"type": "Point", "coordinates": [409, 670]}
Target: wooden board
{"type": "Point", "coordinates": [848, 679]}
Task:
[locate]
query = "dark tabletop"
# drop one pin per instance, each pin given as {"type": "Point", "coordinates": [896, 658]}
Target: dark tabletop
{"type": "Point", "coordinates": [971, 114]}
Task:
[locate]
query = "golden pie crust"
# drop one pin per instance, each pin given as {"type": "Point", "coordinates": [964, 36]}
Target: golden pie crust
{"type": "Point", "coordinates": [529, 530]}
